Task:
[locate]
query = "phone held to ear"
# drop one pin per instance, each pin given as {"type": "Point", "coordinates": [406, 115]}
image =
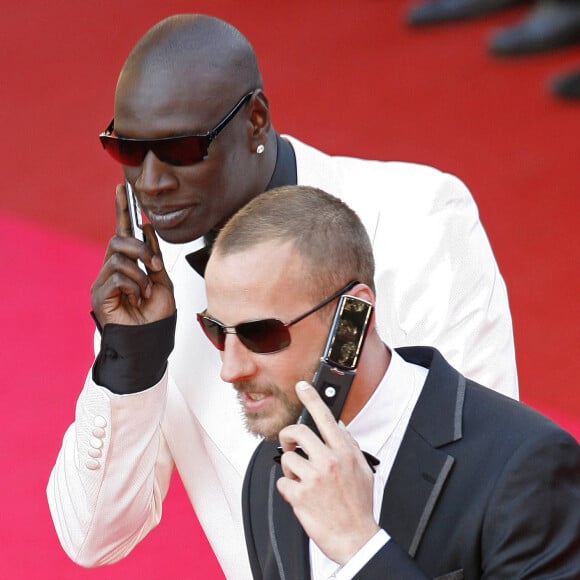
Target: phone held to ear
{"type": "Point", "coordinates": [340, 356]}
{"type": "Point", "coordinates": [135, 215]}
{"type": "Point", "coordinates": [339, 361]}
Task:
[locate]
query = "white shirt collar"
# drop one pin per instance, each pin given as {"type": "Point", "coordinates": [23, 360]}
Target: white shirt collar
{"type": "Point", "coordinates": [376, 421]}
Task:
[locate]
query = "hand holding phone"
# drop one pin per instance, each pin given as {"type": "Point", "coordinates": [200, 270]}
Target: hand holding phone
{"type": "Point", "coordinates": [339, 361]}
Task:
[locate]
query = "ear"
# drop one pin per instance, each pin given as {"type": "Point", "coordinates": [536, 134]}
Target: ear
{"type": "Point", "coordinates": [364, 292]}
{"type": "Point", "coordinates": [260, 124]}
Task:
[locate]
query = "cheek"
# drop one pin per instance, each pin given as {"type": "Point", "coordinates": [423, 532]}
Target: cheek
{"type": "Point", "coordinates": [309, 343]}
{"type": "Point", "coordinates": [235, 178]}
{"type": "Point", "coordinates": [299, 365]}
{"type": "Point", "coordinates": [203, 178]}
{"type": "Point", "coordinates": [210, 188]}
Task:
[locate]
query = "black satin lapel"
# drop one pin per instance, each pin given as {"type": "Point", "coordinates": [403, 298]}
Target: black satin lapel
{"type": "Point", "coordinates": [417, 478]}
{"type": "Point", "coordinates": [289, 541]}
{"type": "Point", "coordinates": [421, 467]}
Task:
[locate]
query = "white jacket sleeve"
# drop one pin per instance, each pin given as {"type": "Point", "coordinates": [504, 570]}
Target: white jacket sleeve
{"type": "Point", "coordinates": [113, 470]}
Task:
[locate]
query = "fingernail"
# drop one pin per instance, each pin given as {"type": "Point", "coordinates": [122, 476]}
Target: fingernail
{"type": "Point", "coordinates": [157, 263]}
{"type": "Point", "coordinates": [302, 385]}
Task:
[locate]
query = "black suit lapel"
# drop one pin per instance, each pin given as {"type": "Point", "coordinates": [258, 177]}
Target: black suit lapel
{"type": "Point", "coordinates": [412, 490]}
{"type": "Point", "coordinates": [421, 469]}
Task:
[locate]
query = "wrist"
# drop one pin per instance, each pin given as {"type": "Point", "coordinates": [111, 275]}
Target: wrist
{"type": "Point", "coordinates": [351, 543]}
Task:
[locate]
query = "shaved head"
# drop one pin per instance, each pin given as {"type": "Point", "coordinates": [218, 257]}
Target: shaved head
{"type": "Point", "coordinates": [208, 55]}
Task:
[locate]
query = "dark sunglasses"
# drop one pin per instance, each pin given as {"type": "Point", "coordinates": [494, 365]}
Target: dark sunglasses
{"type": "Point", "coordinates": [261, 336]}
{"type": "Point", "coordinates": [179, 150]}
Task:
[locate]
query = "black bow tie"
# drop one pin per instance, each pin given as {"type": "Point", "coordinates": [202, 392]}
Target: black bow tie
{"type": "Point", "coordinates": [371, 459]}
{"type": "Point", "coordinates": [198, 259]}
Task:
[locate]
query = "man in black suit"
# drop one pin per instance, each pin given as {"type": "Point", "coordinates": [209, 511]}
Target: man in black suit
{"type": "Point", "coordinates": [469, 484]}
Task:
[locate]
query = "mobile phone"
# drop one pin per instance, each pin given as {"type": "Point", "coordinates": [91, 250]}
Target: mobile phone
{"type": "Point", "coordinates": [340, 356]}
{"type": "Point", "coordinates": [135, 215]}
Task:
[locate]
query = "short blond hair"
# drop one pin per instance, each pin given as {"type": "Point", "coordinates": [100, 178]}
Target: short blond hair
{"type": "Point", "coordinates": [327, 233]}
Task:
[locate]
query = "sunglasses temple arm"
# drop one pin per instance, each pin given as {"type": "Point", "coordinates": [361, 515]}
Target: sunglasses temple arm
{"type": "Point", "coordinates": [328, 300]}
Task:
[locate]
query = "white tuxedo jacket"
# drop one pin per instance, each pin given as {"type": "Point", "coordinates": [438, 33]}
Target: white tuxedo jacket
{"type": "Point", "coordinates": [437, 284]}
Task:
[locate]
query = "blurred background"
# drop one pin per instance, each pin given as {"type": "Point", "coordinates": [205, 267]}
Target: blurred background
{"type": "Point", "coordinates": [352, 78]}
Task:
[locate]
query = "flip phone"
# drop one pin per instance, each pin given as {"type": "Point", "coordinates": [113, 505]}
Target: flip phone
{"type": "Point", "coordinates": [134, 213]}
{"type": "Point", "coordinates": [340, 356]}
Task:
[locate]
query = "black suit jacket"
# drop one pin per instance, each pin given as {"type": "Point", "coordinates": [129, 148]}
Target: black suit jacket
{"type": "Point", "coordinates": [482, 487]}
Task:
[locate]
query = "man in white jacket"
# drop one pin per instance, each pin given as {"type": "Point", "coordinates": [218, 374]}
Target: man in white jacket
{"type": "Point", "coordinates": [153, 399]}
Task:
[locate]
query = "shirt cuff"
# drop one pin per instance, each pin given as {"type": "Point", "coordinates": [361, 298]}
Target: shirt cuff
{"type": "Point", "coordinates": [362, 557]}
{"type": "Point", "coordinates": [134, 358]}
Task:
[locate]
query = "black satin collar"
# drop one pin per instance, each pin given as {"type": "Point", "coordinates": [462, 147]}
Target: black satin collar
{"type": "Point", "coordinates": [285, 172]}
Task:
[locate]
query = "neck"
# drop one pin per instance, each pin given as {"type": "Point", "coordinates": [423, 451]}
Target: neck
{"type": "Point", "coordinates": [373, 365]}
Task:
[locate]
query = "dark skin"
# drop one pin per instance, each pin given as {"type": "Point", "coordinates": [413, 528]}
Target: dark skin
{"type": "Point", "coordinates": [129, 296]}
{"type": "Point", "coordinates": [163, 92]}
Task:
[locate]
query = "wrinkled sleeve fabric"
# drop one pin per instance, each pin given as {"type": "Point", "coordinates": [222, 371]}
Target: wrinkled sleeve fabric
{"type": "Point", "coordinates": [113, 470]}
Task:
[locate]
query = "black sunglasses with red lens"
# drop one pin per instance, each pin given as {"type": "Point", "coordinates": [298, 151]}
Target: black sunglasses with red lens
{"type": "Point", "coordinates": [261, 336]}
{"type": "Point", "coordinates": [178, 150]}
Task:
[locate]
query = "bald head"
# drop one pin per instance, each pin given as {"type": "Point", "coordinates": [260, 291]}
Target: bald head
{"type": "Point", "coordinates": [205, 54]}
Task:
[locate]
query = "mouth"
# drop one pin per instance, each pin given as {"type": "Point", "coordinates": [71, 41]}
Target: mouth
{"type": "Point", "coordinates": [253, 400]}
{"type": "Point", "coordinates": [256, 396]}
{"type": "Point", "coordinates": [165, 219]}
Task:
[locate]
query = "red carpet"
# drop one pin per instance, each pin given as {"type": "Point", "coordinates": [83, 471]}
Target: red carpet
{"type": "Point", "coordinates": [348, 77]}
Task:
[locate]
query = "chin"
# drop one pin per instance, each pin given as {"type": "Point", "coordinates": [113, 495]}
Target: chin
{"type": "Point", "coordinates": [269, 428]}
{"type": "Point", "coordinates": [177, 236]}
{"type": "Point", "coordinates": [261, 428]}
{"type": "Point", "coordinates": [263, 432]}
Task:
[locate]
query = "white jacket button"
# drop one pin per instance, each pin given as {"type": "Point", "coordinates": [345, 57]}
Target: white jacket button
{"type": "Point", "coordinates": [100, 421]}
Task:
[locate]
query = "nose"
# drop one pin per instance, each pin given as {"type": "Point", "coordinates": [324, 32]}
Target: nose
{"type": "Point", "coordinates": [238, 362]}
{"type": "Point", "coordinates": [155, 176]}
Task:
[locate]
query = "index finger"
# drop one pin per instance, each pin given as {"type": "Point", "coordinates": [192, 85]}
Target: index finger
{"type": "Point", "coordinates": [318, 410]}
{"type": "Point", "coordinates": [123, 222]}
